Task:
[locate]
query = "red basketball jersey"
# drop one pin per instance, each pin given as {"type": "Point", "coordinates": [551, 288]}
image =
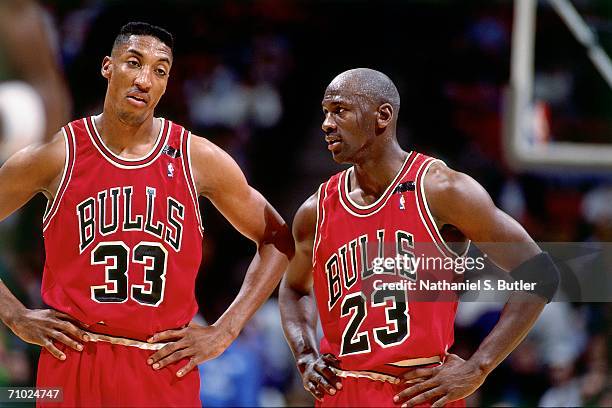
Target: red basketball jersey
{"type": "Point", "coordinates": [368, 326]}
{"type": "Point", "coordinates": [123, 237]}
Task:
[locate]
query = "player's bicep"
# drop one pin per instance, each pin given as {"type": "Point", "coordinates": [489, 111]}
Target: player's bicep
{"type": "Point", "coordinates": [28, 172]}
{"type": "Point", "coordinates": [245, 209]}
{"type": "Point", "coordinates": [461, 201]}
{"type": "Point", "coordinates": [299, 273]}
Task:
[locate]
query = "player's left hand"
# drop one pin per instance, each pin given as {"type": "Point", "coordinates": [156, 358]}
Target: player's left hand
{"type": "Point", "coordinates": [451, 381]}
{"type": "Point", "coordinates": [195, 342]}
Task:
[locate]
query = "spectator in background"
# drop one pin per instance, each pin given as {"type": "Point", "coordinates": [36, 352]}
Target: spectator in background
{"type": "Point", "coordinates": [35, 103]}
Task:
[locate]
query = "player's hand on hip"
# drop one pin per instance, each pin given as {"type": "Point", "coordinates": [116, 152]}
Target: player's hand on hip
{"type": "Point", "coordinates": [44, 326]}
{"type": "Point", "coordinates": [318, 377]}
{"type": "Point", "coordinates": [195, 342]}
{"type": "Point", "coordinates": [451, 381]}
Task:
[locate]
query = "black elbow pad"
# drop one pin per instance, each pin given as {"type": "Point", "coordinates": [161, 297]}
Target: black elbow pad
{"type": "Point", "coordinates": [542, 271]}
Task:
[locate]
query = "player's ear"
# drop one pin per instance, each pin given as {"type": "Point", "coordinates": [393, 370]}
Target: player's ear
{"type": "Point", "coordinates": [107, 67]}
{"type": "Point", "coordinates": [384, 115]}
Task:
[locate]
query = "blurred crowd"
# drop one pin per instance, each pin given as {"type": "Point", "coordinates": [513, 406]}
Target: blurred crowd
{"type": "Point", "coordinates": [249, 75]}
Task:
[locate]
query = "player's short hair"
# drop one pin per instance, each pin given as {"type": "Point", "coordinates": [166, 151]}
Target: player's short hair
{"type": "Point", "coordinates": [140, 28]}
{"type": "Point", "coordinates": [371, 83]}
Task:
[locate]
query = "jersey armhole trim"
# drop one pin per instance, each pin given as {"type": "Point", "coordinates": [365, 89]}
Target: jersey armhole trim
{"type": "Point", "coordinates": [70, 146]}
{"type": "Point", "coordinates": [425, 213]}
{"type": "Point", "coordinates": [320, 218]}
{"type": "Point", "coordinates": [189, 179]}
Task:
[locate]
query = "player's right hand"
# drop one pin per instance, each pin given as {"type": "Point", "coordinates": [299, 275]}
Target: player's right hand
{"type": "Point", "coordinates": [317, 376]}
{"type": "Point", "coordinates": [44, 326]}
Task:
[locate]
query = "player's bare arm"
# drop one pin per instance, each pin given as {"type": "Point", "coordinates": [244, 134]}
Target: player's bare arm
{"type": "Point", "coordinates": [459, 200]}
{"type": "Point", "coordinates": [299, 310]}
{"type": "Point", "coordinates": [218, 177]}
{"type": "Point", "coordinates": [35, 169]}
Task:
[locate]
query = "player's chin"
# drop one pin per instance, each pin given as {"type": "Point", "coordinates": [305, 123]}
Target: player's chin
{"type": "Point", "coordinates": [340, 157]}
{"type": "Point", "coordinates": [134, 117]}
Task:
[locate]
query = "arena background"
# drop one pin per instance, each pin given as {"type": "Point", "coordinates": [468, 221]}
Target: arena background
{"type": "Point", "coordinates": [250, 75]}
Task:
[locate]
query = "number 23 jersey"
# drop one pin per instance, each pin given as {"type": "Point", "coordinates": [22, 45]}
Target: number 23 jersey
{"type": "Point", "coordinates": [123, 237]}
{"type": "Point", "coordinates": [367, 326]}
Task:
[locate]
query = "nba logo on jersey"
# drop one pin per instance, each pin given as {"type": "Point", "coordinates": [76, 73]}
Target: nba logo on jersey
{"type": "Point", "coordinates": [170, 170]}
{"type": "Point", "coordinates": [402, 204]}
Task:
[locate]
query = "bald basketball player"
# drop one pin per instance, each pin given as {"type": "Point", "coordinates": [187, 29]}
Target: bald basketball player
{"type": "Point", "coordinates": [380, 347]}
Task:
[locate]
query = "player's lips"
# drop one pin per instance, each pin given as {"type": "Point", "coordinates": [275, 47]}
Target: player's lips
{"type": "Point", "coordinates": [138, 99]}
{"type": "Point", "coordinates": [333, 142]}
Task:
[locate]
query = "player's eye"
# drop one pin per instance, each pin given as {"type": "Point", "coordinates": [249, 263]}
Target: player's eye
{"type": "Point", "coordinates": [133, 63]}
{"type": "Point", "coordinates": [160, 72]}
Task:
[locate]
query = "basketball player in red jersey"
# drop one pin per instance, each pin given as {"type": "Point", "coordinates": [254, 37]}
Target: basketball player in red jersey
{"type": "Point", "coordinates": [378, 347]}
{"type": "Point", "coordinates": [123, 240]}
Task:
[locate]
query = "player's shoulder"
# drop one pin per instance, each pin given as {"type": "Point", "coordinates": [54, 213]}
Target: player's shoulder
{"type": "Point", "coordinates": [41, 161]}
{"type": "Point", "coordinates": [52, 152]}
{"type": "Point", "coordinates": [214, 170]}
{"type": "Point", "coordinates": [440, 177]}
{"type": "Point", "coordinates": [443, 181]}
{"type": "Point", "coordinates": [204, 149]}
{"type": "Point", "coordinates": [329, 188]}
{"type": "Point", "coordinates": [309, 206]}
{"type": "Point", "coordinates": [452, 194]}
{"type": "Point", "coordinates": [326, 192]}
{"type": "Point", "coordinates": [305, 219]}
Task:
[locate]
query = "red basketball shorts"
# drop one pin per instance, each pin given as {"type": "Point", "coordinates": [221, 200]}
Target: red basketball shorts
{"type": "Point", "coordinates": [112, 375]}
{"type": "Point", "coordinates": [364, 392]}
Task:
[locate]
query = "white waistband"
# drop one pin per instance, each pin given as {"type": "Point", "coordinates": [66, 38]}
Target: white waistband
{"type": "Point", "coordinates": [122, 341]}
{"type": "Point", "coordinates": [376, 376]}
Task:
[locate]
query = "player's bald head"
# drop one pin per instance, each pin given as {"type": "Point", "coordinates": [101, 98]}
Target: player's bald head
{"type": "Point", "coordinates": [368, 83]}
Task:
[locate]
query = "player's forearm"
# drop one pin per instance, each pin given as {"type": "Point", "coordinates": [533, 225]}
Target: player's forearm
{"type": "Point", "coordinates": [517, 318]}
{"type": "Point", "coordinates": [299, 317]}
{"type": "Point", "coordinates": [262, 277]}
{"type": "Point", "coordinates": [10, 306]}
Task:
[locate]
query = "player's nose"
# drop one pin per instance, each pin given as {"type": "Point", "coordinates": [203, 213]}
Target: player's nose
{"type": "Point", "coordinates": [328, 125]}
{"type": "Point", "coordinates": [143, 80]}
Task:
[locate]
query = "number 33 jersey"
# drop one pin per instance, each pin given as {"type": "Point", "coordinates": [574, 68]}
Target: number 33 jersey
{"type": "Point", "coordinates": [369, 323]}
{"type": "Point", "coordinates": [123, 237]}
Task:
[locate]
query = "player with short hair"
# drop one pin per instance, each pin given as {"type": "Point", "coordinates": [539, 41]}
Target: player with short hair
{"type": "Point", "coordinates": [123, 240]}
{"type": "Point", "coordinates": [381, 347]}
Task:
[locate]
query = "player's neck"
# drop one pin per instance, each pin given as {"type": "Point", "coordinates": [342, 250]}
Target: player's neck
{"type": "Point", "coordinates": [120, 136]}
{"type": "Point", "coordinates": [374, 174]}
